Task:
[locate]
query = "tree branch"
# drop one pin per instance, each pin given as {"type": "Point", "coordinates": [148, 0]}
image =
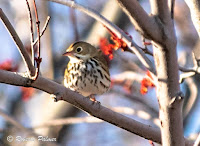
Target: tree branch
{"type": "Point", "coordinates": [20, 46]}
{"type": "Point", "coordinates": [165, 56]}
{"type": "Point", "coordinates": [160, 9]}
{"type": "Point", "coordinates": [85, 104]}
{"type": "Point", "coordinates": [133, 47]}
{"type": "Point", "coordinates": [95, 109]}
{"type": "Point", "coordinates": [32, 34]}
{"type": "Point", "coordinates": [74, 24]}
{"type": "Point", "coordinates": [43, 30]}
{"type": "Point", "coordinates": [144, 23]}
{"type": "Point", "coordinates": [194, 6]}
{"type": "Point", "coordinates": [37, 59]}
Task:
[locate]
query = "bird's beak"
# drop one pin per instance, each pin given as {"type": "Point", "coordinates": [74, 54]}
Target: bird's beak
{"type": "Point", "coordinates": [69, 51]}
{"type": "Point", "coordinates": [67, 54]}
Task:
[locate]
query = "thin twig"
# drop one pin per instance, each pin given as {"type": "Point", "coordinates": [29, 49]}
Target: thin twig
{"type": "Point", "coordinates": [37, 59]}
{"type": "Point", "coordinates": [185, 75]}
{"type": "Point", "coordinates": [32, 33]}
{"type": "Point", "coordinates": [38, 27]}
{"type": "Point", "coordinates": [74, 23]}
{"type": "Point", "coordinates": [191, 71]}
{"type": "Point", "coordinates": [188, 72]}
{"type": "Point", "coordinates": [19, 44]}
{"type": "Point", "coordinates": [145, 49]}
{"type": "Point", "coordinates": [194, 6]}
{"type": "Point", "coordinates": [133, 47]}
{"type": "Point", "coordinates": [143, 23]}
{"type": "Point", "coordinates": [183, 69]}
{"type": "Point", "coordinates": [44, 29]}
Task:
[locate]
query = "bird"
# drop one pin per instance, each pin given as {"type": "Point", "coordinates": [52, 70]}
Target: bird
{"type": "Point", "coordinates": [87, 71]}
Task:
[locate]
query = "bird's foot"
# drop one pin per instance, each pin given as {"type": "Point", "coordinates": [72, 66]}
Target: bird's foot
{"type": "Point", "coordinates": [56, 97]}
{"type": "Point", "coordinates": [92, 98]}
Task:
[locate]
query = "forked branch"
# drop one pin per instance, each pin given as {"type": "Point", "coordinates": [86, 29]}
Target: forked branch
{"type": "Point", "coordinates": [19, 44]}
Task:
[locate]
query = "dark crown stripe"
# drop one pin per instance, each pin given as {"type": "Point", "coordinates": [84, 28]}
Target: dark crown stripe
{"type": "Point", "coordinates": [77, 43]}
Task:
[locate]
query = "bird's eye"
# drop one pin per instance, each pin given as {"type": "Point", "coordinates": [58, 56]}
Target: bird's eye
{"type": "Point", "coordinates": [79, 49]}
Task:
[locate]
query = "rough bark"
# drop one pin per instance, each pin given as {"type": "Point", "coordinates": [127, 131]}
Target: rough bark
{"type": "Point", "coordinates": [165, 57]}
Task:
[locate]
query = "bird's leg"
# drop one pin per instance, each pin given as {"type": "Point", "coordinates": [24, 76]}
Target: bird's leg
{"type": "Point", "coordinates": [92, 98]}
{"type": "Point", "coordinates": [56, 97]}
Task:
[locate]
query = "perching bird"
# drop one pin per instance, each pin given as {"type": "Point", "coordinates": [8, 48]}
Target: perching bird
{"type": "Point", "coordinates": [87, 71]}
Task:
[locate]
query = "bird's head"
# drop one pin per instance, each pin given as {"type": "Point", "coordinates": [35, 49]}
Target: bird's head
{"type": "Point", "coordinates": [80, 51]}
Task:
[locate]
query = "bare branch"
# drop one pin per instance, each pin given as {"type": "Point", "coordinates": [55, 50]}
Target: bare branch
{"type": "Point", "coordinates": [185, 75]}
{"type": "Point", "coordinates": [133, 47]}
{"type": "Point", "coordinates": [19, 44]}
{"type": "Point", "coordinates": [160, 8]}
{"type": "Point", "coordinates": [183, 69]}
{"type": "Point", "coordinates": [37, 59]}
{"type": "Point", "coordinates": [189, 72]}
{"type": "Point", "coordinates": [145, 49]}
{"type": "Point", "coordinates": [144, 23]}
{"type": "Point", "coordinates": [32, 34]}
{"type": "Point", "coordinates": [95, 109]}
{"type": "Point", "coordinates": [194, 6]}
{"type": "Point", "coordinates": [168, 88]}
{"type": "Point", "coordinates": [43, 30]}
{"type": "Point", "coordinates": [74, 23]}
